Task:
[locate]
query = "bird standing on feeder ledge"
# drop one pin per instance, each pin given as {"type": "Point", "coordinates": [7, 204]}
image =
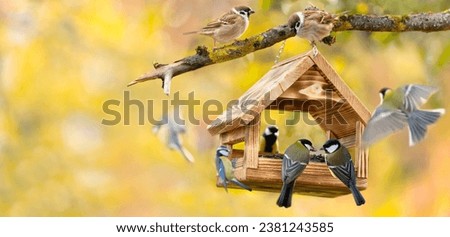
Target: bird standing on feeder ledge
{"type": "Point", "coordinates": [269, 143]}
{"type": "Point", "coordinates": [229, 26]}
{"type": "Point", "coordinates": [399, 108]}
{"type": "Point", "coordinates": [312, 24]}
{"type": "Point", "coordinates": [341, 166]}
{"type": "Point", "coordinates": [225, 169]}
{"type": "Point", "coordinates": [296, 158]}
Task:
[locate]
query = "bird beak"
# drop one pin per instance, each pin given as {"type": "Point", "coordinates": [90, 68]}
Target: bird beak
{"type": "Point", "coordinates": [251, 12]}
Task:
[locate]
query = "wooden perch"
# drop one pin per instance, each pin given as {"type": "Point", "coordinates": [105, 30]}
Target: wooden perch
{"type": "Point", "coordinates": [424, 22]}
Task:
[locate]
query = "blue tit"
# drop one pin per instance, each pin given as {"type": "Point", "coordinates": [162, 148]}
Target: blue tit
{"type": "Point", "coordinates": [400, 108]}
{"type": "Point", "coordinates": [225, 169]}
{"type": "Point", "coordinates": [269, 143]}
{"type": "Point", "coordinates": [295, 159]}
{"type": "Point", "coordinates": [173, 135]}
{"type": "Point", "coordinates": [341, 166]}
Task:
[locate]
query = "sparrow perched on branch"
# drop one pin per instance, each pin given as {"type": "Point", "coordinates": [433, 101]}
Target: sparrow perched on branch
{"type": "Point", "coordinates": [399, 108]}
{"type": "Point", "coordinates": [341, 166]}
{"type": "Point", "coordinates": [312, 24]}
{"type": "Point", "coordinates": [229, 26]}
{"type": "Point", "coordinates": [225, 169]}
{"type": "Point", "coordinates": [296, 158]}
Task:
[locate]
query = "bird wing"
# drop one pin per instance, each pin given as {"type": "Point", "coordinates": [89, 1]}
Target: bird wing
{"type": "Point", "coordinates": [226, 19]}
{"type": "Point", "coordinates": [319, 16]}
{"type": "Point", "coordinates": [291, 169]}
{"type": "Point", "coordinates": [187, 155]}
{"type": "Point", "coordinates": [416, 95]}
{"type": "Point", "coordinates": [345, 173]}
{"type": "Point", "coordinates": [383, 122]}
{"type": "Point", "coordinates": [242, 185]}
{"type": "Point", "coordinates": [174, 142]}
{"type": "Point", "coordinates": [220, 168]}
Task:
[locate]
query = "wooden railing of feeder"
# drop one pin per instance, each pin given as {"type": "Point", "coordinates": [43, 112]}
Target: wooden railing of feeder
{"type": "Point", "coordinates": [304, 83]}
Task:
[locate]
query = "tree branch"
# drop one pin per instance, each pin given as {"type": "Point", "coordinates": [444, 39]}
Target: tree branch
{"type": "Point", "coordinates": [425, 22]}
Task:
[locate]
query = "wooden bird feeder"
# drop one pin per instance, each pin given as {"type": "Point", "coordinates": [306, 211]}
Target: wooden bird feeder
{"type": "Point", "coordinates": [305, 83]}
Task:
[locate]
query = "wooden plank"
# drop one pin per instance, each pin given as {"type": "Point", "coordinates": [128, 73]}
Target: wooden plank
{"type": "Point", "coordinates": [312, 78]}
{"type": "Point", "coordinates": [240, 173]}
{"type": "Point", "coordinates": [313, 72]}
{"type": "Point", "coordinates": [329, 134]}
{"type": "Point", "coordinates": [341, 123]}
{"type": "Point", "coordinates": [316, 180]}
{"type": "Point", "coordinates": [301, 67]}
{"type": "Point", "coordinates": [274, 93]}
{"type": "Point", "coordinates": [358, 151]}
{"type": "Point", "coordinates": [342, 87]}
{"type": "Point", "coordinates": [291, 60]}
{"type": "Point", "coordinates": [239, 155]}
{"type": "Point", "coordinates": [363, 163]}
{"type": "Point", "coordinates": [233, 137]}
{"type": "Point", "coordinates": [252, 144]}
{"type": "Point", "coordinates": [365, 167]}
{"type": "Point", "coordinates": [348, 141]}
{"type": "Point", "coordinates": [220, 126]}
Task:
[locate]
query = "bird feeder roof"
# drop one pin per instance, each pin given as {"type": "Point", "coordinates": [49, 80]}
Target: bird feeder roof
{"type": "Point", "coordinates": [304, 83]}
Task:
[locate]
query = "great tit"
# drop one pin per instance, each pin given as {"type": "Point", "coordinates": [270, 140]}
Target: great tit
{"type": "Point", "coordinates": [341, 166]}
{"type": "Point", "coordinates": [173, 134]}
{"type": "Point", "coordinates": [225, 169]}
{"type": "Point", "coordinates": [400, 108]}
{"type": "Point", "coordinates": [295, 159]}
{"type": "Point", "coordinates": [269, 143]}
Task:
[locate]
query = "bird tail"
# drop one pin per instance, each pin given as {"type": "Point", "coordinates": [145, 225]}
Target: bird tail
{"type": "Point", "coordinates": [224, 184]}
{"type": "Point", "coordinates": [187, 155]}
{"type": "Point", "coordinates": [418, 120]}
{"type": "Point", "coordinates": [285, 198]}
{"type": "Point", "coordinates": [244, 186]}
{"type": "Point", "coordinates": [359, 199]}
{"type": "Point", "coordinates": [190, 32]}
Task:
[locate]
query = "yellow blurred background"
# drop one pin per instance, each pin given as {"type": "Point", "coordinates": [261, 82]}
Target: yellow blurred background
{"type": "Point", "coordinates": [60, 61]}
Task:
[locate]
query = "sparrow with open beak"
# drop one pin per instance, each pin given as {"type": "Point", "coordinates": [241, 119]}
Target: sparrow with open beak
{"type": "Point", "coordinates": [341, 166]}
{"type": "Point", "coordinates": [229, 26]}
{"type": "Point", "coordinates": [312, 24]}
{"type": "Point", "coordinates": [400, 108]}
{"type": "Point", "coordinates": [295, 159]}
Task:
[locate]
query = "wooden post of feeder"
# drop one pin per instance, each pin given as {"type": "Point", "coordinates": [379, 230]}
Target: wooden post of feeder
{"type": "Point", "coordinates": [329, 134]}
{"type": "Point", "coordinates": [360, 152]}
{"type": "Point", "coordinates": [252, 143]}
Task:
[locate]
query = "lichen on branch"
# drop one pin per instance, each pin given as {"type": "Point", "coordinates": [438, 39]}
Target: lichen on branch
{"type": "Point", "coordinates": [424, 22]}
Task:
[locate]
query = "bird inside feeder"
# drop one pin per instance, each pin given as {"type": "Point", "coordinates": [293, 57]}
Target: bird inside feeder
{"type": "Point", "coordinates": [306, 83]}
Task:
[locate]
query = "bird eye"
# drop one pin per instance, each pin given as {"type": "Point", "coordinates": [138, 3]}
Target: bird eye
{"type": "Point", "coordinates": [297, 25]}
